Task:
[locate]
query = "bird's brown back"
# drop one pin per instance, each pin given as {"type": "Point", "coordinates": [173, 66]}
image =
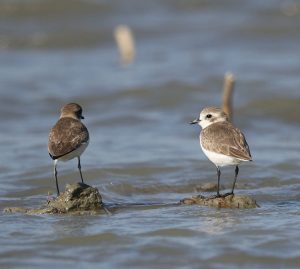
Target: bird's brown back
{"type": "Point", "coordinates": [66, 136]}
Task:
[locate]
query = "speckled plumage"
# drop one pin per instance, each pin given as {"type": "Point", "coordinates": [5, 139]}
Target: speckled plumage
{"type": "Point", "coordinates": [67, 135]}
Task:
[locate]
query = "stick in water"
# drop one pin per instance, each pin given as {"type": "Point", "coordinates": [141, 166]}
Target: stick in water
{"type": "Point", "coordinates": [229, 82]}
{"type": "Point", "coordinates": [125, 41]}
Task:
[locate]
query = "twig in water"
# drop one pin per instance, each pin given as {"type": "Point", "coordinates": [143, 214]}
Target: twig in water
{"type": "Point", "coordinates": [229, 82]}
{"type": "Point", "coordinates": [125, 41]}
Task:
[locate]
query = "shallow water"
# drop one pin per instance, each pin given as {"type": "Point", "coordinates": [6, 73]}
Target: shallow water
{"type": "Point", "coordinates": [143, 155]}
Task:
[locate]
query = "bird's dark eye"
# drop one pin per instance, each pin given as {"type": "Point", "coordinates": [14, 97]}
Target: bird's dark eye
{"type": "Point", "coordinates": [208, 116]}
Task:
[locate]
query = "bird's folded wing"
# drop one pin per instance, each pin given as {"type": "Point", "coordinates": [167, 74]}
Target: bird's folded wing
{"type": "Point", "coordinates": [66, 136]}
{"type": "Point", "coordinates": [225, 139]}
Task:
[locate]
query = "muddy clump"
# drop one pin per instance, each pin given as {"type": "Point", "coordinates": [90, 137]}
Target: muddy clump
{"type": "Point", "coordinates": [227, 201]}
{"type": "Point", "coordinates": [78, 198]}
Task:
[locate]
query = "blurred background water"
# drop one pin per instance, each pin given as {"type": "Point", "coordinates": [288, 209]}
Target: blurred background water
{"type": "Point", "coordinates": [142, 149]}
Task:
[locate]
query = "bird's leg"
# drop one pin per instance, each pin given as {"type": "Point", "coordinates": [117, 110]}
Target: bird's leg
{"type": "Point", "coordinates": [55, 175]}
{"type": "Point", "coordinates": [79, 167]}
{"type": "Point", "coordinates": [235, 177]}
{"type": "Point", "coordinates": [218, 187]}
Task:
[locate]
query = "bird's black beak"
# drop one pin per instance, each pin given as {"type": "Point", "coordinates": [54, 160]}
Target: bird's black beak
{"type": "Point", "coordinates": [195, 121]}
{"type": "Point", "coordinates": [82, 117]}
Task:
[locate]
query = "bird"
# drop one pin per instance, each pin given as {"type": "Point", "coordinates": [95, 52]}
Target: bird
{"type": "Point", "coordinates": [68, 138]}
{"type": "Point", "coordinates": [221, 142]}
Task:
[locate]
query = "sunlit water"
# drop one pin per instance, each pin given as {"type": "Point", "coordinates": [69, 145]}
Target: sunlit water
{"type": "Point", "coordinates": [143, 155]}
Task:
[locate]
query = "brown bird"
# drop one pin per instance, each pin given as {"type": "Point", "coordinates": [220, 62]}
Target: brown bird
{"type": "Point", "coordinates": [68, 138]}
{"type": "Point", "coordinates": [221, 142]}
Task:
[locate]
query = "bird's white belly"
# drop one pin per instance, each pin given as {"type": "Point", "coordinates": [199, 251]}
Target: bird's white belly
{"type": "Point", "coordinates": [76, 153]}
{"type": "Point", "coordinates": [220, 159]}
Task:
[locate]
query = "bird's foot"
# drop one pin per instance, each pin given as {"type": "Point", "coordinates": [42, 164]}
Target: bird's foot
{"type": "Point", "coordinates": [221, 195]}
{"type": "Point", "coordinates": [216, 196]}
{"type": "Point", "coordinates": [227, 194]}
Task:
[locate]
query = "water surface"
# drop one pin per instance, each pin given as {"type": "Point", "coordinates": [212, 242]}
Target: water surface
{"type": "Point", "coordinates": [143, 155]}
